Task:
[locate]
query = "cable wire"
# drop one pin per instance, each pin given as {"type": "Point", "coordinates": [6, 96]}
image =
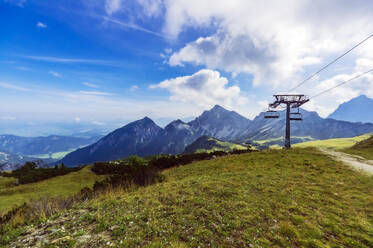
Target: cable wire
{"type": "Point", "coordinates": [332, 62]}
{"type": "Point", "coordinates": [340, 84]}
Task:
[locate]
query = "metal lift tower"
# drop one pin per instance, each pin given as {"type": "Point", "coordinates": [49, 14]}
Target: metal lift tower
{"type": "Point", "coordinates": [291, 102]}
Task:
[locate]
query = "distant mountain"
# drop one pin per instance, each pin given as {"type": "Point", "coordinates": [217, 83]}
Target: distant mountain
{"type": "Point", "coordinates": [208, 144]}
{"type": "Point", "coordinates": [9, 161]}
{"type": "Point", "coordinates": [42, 145]}
{"type": "Point", "coordinates": [220, 123]}
{"type": "Point", "coordinates": [173, 138]}
{"type": "Point", "coordinates": [312, 126]}
{"type": "Point", "coordinates": [144, 137]}
{"type": "Point", "coordinates": [132, 139]}
{"type": "Point", "coordinates": [359, 109]}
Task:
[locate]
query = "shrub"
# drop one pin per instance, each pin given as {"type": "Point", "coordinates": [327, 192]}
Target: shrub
{"type": "Point", "coordinates": [29, 173]}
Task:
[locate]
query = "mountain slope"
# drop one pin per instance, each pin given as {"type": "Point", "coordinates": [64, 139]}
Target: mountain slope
{"type": "Point", "coordinates": [220, 123]}
{"type": "Point", "coordinates": [217, 122]}
{"type": "Point", "coordinates": [312, 126]}
{"type": "Point", "coordinates": [173, 138]}
{"type": "Point", "coordinates": [132, 139]}
{"type": "Point", "coordinates": [275, 198]}
{"type": "Point", "coordinates": [208, 144]}
{"type": "Point", "coordinates": [363, 148]}
{"type": "Point", "coordinates": [359, 109]}
{"type": "Point", "coordinates": [42, 145]}
{"type": "Point", "coordinates": [9, 161]}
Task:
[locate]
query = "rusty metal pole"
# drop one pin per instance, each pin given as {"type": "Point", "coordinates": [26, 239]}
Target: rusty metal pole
{"type": "Point", "coordinates": [287, 131]}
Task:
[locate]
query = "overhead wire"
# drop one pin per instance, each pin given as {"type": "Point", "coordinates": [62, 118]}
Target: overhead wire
{"type": "Point", "coordinates": [340, 84]}
{"type": "Point", "coordinates": [330, 63]}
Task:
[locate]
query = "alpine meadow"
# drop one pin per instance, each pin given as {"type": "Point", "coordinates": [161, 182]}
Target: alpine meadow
{"type": "Point", "coordinates": [173, 123]}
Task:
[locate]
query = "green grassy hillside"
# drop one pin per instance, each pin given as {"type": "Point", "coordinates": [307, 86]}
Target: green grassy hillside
{"type": "Point", "coordinates": [339, 143]}
{"type": "Point", "coordinates": [61, 186]}
{"type": "Point", "coordinates": [274, 198]}
{"type": "Point", "coordinates": [363, 148]}
{"type": "Point", "coordinates": [209, 144]}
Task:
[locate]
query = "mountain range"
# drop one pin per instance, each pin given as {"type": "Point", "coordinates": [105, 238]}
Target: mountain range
{"type": "Point", "coordinates": [359, 109]}
{"type": "Point", "coordinates": [144, 137]}
{"type": "Point", "coordinates": [42, 145]}
{"type": "Point", "coordinates": [16, 150]}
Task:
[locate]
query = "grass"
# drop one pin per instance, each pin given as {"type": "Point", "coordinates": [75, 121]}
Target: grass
{"type": "Point", "coordinates": [363, 148]}
{"type": "Point", "coordinates": [340, 143]}
{"type": "Point", "coordinates": [222, 146]}
{"type": "Point", "coordinates": [61, 186]}
{"type": "Point", "coordinates": [274, 198]}
{"type": "Point", "coordinates": [280, 139]}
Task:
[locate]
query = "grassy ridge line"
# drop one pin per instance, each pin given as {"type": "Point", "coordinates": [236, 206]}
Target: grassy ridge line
{"type": "Point", "coordinates": [60, 186]}
{"type": "Point", "coordinates": [276, 198]}
{"type": "Point", "coordinates": [339, 143]}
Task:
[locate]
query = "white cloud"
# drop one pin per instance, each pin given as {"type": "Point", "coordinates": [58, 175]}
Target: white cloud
{"type": "Point", "coordinates": [90, 85]}
{"type": "Point", "coordinates": [112, 6]}
{"type": "Point", "coordinates": [41, 25]}
{"type": "Point", "coordinates": [56, 74]}
{"type": "Point", "coordinates": [325, 104]}
{"type": "Point", "coordinates": [275, 41]}
{"type": "Point", "coordinates": [13, 87]}
{"type": "Point", "coordinates": [97, 93]}
{"type": "Point", "coordinates": [134, 88]}
{"type": "Point", "coordinates": [205, 88]}
{"type": "Point", "coordinates": [77, 119]}
{"type": "Point", "coordinates": [151, 7]}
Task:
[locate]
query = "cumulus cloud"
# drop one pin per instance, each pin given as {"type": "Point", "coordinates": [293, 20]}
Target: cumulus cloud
{"type": "Point", "coordinates": [112, 6]}
{"type": "Point", "coordinates": [41, 25]}
{"type": "Point", "coordinates": [205, 88]}
{"type": "Point", "coordinates": [275, 41]}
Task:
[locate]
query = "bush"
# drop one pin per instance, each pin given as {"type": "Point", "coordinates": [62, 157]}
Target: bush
{"type": "Point", "coordinates": [29, 173]}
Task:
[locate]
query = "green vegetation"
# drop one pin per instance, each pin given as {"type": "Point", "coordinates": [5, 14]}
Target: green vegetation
{"type": "Point", "coordinates": [29, 173]}
{"type": "Point", "coordinates": [274, 198]}
{"type": "Point", "coordinates": [61, 186]}
{"type": "Point", "coordinates": [363, 148]}
{"type": "Point", "coordinates": [208, 144]}
{"type": "Point", "coordinates": [281, 139]}
{"type": "Point", "coordinates": [223, 146]}
{"type": "Point", "coordinates": [339, 143]}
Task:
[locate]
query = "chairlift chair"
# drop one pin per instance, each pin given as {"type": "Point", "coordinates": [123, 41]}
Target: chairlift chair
{"type": "Point", "coordinates": [271, 114]}
{"type": "Point", "coordinates": [296, 116]}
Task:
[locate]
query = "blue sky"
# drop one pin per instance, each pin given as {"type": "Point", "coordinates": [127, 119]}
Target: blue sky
{"type": "Point", "coordinates": [114, 61]}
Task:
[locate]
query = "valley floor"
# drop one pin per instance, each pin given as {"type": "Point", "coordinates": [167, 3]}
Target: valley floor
{"type": "Point", "coordinates": [275, 198]}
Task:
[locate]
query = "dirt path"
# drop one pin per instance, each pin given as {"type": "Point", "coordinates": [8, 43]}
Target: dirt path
{"type": "Point", "coordinates": [357, 162]}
